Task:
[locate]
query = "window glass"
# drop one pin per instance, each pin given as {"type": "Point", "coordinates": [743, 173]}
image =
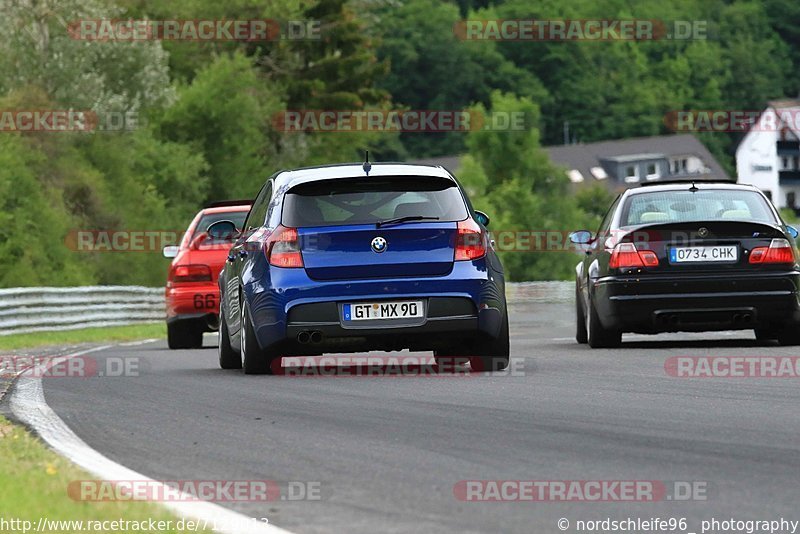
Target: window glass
{"type": "Point", "coordinates": [258, 213]}
{"type": "Point", "coordinates": [236, 217]}
{"type": "Point", "coordinates": [367, 201]}
{"type": "Point", "coordinates": [704, 205]}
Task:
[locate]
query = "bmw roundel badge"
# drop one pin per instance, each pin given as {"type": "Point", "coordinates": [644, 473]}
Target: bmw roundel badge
{"type": "Point", "coordinates": [378, 244]}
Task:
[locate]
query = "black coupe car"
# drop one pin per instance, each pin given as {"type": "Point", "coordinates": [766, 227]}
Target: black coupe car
{"type": "Point", "coordinates": [674, 257]}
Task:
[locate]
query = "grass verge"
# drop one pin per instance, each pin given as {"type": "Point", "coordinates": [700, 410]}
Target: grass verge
{"type": "Point", "coordinates": [34, 482]}
{"type": "Point", "coordinates": [84, 335]}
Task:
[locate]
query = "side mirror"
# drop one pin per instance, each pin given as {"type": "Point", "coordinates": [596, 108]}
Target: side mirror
{"type": "Point", "coordinates": [482, 218]}
{"type": "Point", "coordinates": [171, 251]}
{"type": "Point", "coordinates": [581, 237]}
{"type": "Point", "coordinates": [793, 231]}
{"type": "Point", "coordinates": [222, 231]}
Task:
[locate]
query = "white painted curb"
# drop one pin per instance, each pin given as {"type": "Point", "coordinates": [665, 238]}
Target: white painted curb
{"type": "Point", "coordinates": [28, 405]}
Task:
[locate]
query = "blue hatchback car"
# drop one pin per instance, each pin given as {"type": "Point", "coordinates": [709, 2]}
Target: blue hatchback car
{"type": "Point", "coordinates": [360, 257]}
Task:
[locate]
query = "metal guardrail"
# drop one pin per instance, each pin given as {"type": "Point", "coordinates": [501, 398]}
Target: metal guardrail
{"type": "Point", "coordinates": [540, 292]}
{"type": "Point", "coordinates": [39, 309]}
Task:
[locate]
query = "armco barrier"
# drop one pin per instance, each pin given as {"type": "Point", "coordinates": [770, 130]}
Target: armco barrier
{"type": "Point", "coordinates": [540, 292]}
{"type": "Point", "coordinates": [37, 309]}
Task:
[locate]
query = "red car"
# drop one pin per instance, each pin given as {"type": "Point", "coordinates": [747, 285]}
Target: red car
{"type": "Point", "coordinates": [192, 294]}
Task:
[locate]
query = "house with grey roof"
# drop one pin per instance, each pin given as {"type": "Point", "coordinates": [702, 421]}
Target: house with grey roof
{"type": "Point", "coordinates": [624, 163]}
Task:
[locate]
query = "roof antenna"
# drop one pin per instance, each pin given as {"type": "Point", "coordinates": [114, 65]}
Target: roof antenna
{"type": "Point", "coordinates": [367, 165]}
{"type": "Point", "coordinates": [693, 188]}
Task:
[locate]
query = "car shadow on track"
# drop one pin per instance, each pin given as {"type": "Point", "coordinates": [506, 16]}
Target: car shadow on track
{"type": "Point", "coordinates": [697, 344]}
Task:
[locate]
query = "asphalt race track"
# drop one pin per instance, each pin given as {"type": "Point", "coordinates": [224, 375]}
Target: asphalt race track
{"type": "Point", "coordinates": [387, 451]}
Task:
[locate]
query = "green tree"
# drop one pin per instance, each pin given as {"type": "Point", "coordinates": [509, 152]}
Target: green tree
{"type": "Point", "coordinates": [509, 175]}
{"type": "Point", "coordinates": [33, 224]}
{"type": "Point", "coordinates": [223, 115]}
{"type": "Point", "coordinates": [432, 69]}
{"type": "Point", "coordinates": [37, 50]}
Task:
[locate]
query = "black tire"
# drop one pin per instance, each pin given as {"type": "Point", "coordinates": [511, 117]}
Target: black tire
{"type": "Point", "coordinates": [767, 334]}
{"type": "Point", "coordinates": [254, 360]}
{"type": "Point", "coordinates": [581, 336]}
{"type": "Point", "coordinates": [228, 358]}
{"type": "Point", "coordinates": [790, 335]}
{"type": "Point", "coordinates": [494, 354]}
{"type": "Point", "coordinates": [450, 359]}
{"type": "Point", "coordinates": [597, 336]}
{"type": "Point", "coordinates": [184, 335]}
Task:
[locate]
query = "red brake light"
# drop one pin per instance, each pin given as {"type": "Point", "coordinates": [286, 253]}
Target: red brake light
{"type": "Point", "coordinates": [470, 244]}
{"type": "Point", "coordinates": [625, 255]}
{"type": "Point", "coordinates": [778, 251]}
{"type": "Point", "coordinates": [190, 273]}
{"type": "Point", "coordinates": [283, 248]}
{"type": "Point", "coordinates": [649, 258]}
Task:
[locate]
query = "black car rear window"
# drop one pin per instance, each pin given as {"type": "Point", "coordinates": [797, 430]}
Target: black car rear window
{"type": "Point", "coordinates": [369, 200]}
{"type": "Point", "coordinates": [704, 205]}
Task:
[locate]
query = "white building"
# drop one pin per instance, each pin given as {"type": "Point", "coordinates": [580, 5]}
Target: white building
{"type": "Point", "coordinates": [768, 156]}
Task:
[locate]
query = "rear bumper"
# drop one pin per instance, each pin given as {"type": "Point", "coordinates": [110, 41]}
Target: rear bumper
{"type": "Point", "coordinates": [698, 303]}
{"type": "Point", "coordinates": [196, 302]}
{"type": "Point", "coordinates": [460, 307]}
{"type": "Point", "coordinates": [432, 335]}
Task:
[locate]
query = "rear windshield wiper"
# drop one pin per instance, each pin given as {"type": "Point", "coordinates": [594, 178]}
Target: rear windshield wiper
{"type": "Point", "coordinates": [398, 220]}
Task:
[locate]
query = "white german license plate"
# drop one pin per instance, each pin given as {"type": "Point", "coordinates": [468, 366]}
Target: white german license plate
{"type": "Point", "coordinates": [722, 253]}
{"type": "Point", "coordinates": [366, 311]}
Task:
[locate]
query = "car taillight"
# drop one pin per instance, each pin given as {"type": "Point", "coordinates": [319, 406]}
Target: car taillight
{"type": "Point", "coordinates": [778, 251]}
{"type": "Point", "coordinates": [625, 255]}
{"type": "Point", "coordinates": [470, 244]}
{"type": "Point", "coordinates": [283, 248]}
{"type": "Point", "coordinates": [190, 273]}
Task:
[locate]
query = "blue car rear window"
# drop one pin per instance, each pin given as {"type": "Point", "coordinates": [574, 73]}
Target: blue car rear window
{"type": "Point", "coordinates": [369, 200]}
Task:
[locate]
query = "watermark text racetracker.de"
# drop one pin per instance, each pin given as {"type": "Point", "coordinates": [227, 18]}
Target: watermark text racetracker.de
{"type": "Point", "coordinates": [121, 240]}
{"type": "Point", "coordinates": [154, 240]}
{"type": "Point", "coordinates": [251, 30]}
{"type": "Point", "coordinates": [405, 121]}
{"type": "Point", "coordinates": [580, 490]}
{"type": "Point", "coordinates": [374, 365]}
{"type": "Point", "coordinates": [732, 120]}
{"type": "Point", "coordinates": [242, 525]}
{"type": "Point", "coordinates": [538, 30]}
{"type": "Point", "coordinates": [68, 120]}
{"type": "Point", "coordinates": [70, 366]}
{"type": "Point", "coordinates": [733, 366]}
{"type": "Point", "coordinates": [194, 490]}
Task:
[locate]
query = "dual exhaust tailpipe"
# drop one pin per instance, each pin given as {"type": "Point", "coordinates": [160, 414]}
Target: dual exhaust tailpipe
{"type": "Point", "coordinates": [309, 336]}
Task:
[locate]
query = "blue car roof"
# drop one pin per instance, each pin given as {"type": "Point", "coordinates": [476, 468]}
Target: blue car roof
{"type": "Point", "coordinates": [292, 178]}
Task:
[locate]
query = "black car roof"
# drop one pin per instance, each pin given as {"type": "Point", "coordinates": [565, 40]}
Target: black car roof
{"type": "Point", "coordinates": [687, 185]}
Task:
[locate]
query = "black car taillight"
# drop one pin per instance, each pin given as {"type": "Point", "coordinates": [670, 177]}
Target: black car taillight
{"type": "Point", "coordinates": [626, 255]}
{"type": "Point", "coordinates": [778, 251]}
